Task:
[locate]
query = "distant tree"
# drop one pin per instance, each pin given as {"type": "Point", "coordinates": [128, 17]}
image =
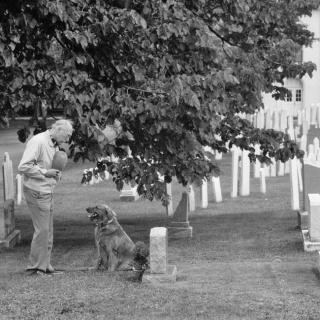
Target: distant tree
{"type": "Point", "coordinates": [165, 78]}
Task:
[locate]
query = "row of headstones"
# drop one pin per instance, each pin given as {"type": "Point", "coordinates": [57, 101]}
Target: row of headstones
{"type": "Point", "coordinates": [283, 119]}
{"type": "Point", "coordinates": [9, 236]}
{"type": "Point", "coordinates": [240, 181]}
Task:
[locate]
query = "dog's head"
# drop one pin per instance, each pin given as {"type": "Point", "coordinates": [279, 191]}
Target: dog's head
{"type": "Point", "coordinates": [101, 214]}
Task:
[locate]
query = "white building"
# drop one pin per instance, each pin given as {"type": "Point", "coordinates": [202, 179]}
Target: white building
{"type": "Point", "coordinates": [305, 92]}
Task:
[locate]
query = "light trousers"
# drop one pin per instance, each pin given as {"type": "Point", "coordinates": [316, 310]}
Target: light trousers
{"type": "Point", "coordinates": [41, 209]}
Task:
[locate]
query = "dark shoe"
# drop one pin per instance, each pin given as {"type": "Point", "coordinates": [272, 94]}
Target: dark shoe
{"type": "Point", "coordinates": [37, 272]}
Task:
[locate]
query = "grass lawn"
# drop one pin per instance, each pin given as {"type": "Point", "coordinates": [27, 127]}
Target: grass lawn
{"type": "Point", "coordinates": [245, 261]}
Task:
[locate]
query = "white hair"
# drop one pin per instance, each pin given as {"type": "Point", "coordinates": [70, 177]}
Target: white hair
{"type": "Point", "coordinates": [63, 124]}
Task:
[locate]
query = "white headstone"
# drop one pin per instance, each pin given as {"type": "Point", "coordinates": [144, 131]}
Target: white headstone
{"type": "Point", "coordinates": [316, 145]}
{"type": "Point", "coordinates": [311, 155]}
{"type": "Point", "coordinates": [262, 180]}
{"type": "Point", "coordinates": [268, 120]}
{"type": "Point", "coordinates": [245, 174]}
{"type": "Point", "coordinates": [273, 168]}
{"type": "Point", "coordinates": [260, 119]}
{"type": "Point", "coordinates": [234, 171]}
{"type": "Point", "coordinates": [216, 187]}
{"type": "Point", "coordinates": [257, 164]}
{"type": "Point", "coordinates": [158, 250]}
{"type": "Point", "coordinates": [280, 172]}
{"type": "Point", "coordinates": [191, 198]}
{"type": "Point", "coordinates": [8, 183]}
{"type": "Point", "coordinates": [204, 194]}
{"type": "Point", "coordinates": [283, 121]}
{"type": "Point", "coordinates": [19, 189]}
{"type": "Point", "coordinates": [276, 122]}
{"type": "Point", "coordinates": [169, 207]}
{"type": "Point", "coordinates": [303, 143]}
{"type": "Point", "coordinates": [300, 181]}
{"type": "Point", "coordinates": [295, 205]}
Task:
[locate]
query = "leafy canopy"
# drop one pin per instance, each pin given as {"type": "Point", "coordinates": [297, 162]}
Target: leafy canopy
{"type": "Point", "coordinates": [165, 78]}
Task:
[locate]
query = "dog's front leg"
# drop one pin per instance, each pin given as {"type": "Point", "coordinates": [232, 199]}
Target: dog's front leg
{"type": "Point", "coordinates": [113, 262]}
{"type": "Point", "coordinates": [99, 260]}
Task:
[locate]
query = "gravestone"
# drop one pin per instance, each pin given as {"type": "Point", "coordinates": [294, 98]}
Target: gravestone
{"type": "Point", "coordinates": [273, 168]}
{"type": "Point", "coordinates": [234, 171]}
{"type": "Point", "coordinates": [294, 184]}
{"type": "Point", "coordinates": [158, 250]}
{"type": "Point", "coordinates": [204, 194]}
{"type": "Point", "coordinates": [129, 193]}
{"type": "Point", "coordinates": [263, 188]}
{"type": "Point", "coordinates": [19, 189]}
{"type": "Point", "coordinates": [311, 236]}
{"type": "Point", "coordinates": [191, 198]}
{"type": "Point", "coordinates": [257, 164]}
{"type": "Point", "coordinates": [169, 206]}
{"type": "Point", "coordinates": [9, 236]}
{"type": "Point", "coordinates": [160, 271]}
{"type": "Point", "coordinates": [179, 226]}
{"type": "Point", "coordinates": [311, 185]}
{"type": "Point", "coordinates": [7, 172]}
{"type": "Point", "coordinates": [245, 174]}
{"type": "Point", "coordinates": [216, 187]}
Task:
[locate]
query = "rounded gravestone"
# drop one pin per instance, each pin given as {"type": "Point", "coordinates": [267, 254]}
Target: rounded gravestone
{"type": "Point", "coordinates": [59, 160]}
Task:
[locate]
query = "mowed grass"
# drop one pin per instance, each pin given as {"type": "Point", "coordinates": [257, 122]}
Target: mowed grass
{"type": "Point", "coordinates": [245, 260]}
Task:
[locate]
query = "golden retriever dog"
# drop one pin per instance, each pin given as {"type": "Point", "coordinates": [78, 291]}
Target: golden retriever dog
{"type": "Point", "coordinates": [116, 251]}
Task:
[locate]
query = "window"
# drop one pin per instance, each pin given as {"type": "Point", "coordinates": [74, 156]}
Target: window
{"type": "Point", "coordinates": [298, 95]}
{"type": "Point", "coordinates": [289, 96]}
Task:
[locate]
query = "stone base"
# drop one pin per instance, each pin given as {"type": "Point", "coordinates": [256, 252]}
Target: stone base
{"type": "Point", "coordinates": [129, 198]}
{"type": "Point", "coordinates": [12, 239]}
{"type": "Point", "coordinates": [154, 278]}
{"type": "Point", "coordinates": [308, 245]}
{"type": "Point", "coordinates": [302, 219]}
{"type": "Point", "coordinates": [179, 233]}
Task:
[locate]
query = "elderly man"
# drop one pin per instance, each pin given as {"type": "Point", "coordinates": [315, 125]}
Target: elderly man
{"type": "Point", "coordinates": [39, 181]}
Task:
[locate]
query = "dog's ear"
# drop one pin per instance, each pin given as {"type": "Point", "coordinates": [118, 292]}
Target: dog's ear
{"type": "Point", "coordinates": [109, 212]}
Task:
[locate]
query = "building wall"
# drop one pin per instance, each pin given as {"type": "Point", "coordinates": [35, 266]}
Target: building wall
{"type": "Point", "coordinates": [310, 86]}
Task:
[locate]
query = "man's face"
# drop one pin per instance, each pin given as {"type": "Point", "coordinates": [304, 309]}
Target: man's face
{"type": "Point", "coordinates": [62, 135]}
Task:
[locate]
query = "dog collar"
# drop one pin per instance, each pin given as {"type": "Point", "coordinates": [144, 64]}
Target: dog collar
{"type": "Point", "coordinates": [101, 223]}
{"type": "Point", "coordinates": [110, 221]}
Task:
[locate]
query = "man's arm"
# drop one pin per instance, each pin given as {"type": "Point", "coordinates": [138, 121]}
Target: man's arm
{"type": "Point", "coordinates": [29, 162]}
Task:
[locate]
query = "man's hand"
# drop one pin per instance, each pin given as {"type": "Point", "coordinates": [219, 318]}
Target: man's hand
{"type": "Point", "coordinates": [52, 173]}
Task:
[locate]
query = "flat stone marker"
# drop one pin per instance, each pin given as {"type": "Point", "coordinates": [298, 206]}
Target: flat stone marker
{"type": "Point", "coordinates": [179, 227]}
{"type": "Point", "coordinates": [160, 271]}
{"type": "Point", "coordinates": [9, 236]}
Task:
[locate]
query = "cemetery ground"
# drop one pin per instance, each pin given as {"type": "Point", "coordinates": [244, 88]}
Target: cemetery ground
{"type": "Point", "coordinates": [245, 260]}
